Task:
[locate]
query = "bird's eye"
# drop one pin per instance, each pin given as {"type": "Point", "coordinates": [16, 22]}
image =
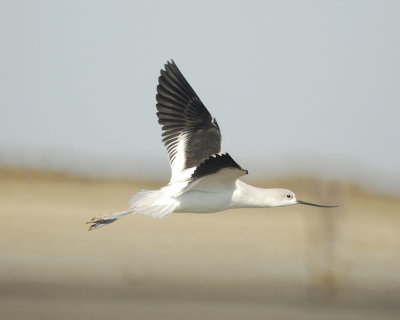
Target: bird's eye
{"type": "Point", "coordinates": [289, 196]}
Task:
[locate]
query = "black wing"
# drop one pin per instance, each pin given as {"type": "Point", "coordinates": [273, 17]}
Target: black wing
{"type": "Point", "coordinates": [214, 164]}
{"type": "Point", "coordinates": [189, 132]}
{"type": "Point", "coordinates": [216, 173]}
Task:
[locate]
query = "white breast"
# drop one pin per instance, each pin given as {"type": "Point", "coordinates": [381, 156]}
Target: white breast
{"type": "Point", "coordinates": [200, 201]}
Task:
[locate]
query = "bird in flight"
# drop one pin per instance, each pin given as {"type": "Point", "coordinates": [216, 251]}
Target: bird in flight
{"type": "Point", "coordinates": [202, 178]}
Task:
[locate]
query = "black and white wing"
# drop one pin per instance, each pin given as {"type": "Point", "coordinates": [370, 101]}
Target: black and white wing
{"type": "Point", "coordinates": [218, 172]}
{"type": "Point", "coordinates": [189, 132]}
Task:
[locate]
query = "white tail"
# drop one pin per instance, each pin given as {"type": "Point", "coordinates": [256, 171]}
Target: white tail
{"type": "Point", "coordinates": [155, 203]}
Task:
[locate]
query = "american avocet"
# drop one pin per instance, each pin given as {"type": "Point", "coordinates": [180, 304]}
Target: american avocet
{"type": "Point", "coordinates": [203, 179]}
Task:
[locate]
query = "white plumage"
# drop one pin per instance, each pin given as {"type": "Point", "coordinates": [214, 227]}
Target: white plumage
{"type": "Point", "coordinates": [202, 179]}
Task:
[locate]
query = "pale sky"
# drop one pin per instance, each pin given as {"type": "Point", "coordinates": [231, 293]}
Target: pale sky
{"type": "Point", "coordinates": [296, 86]}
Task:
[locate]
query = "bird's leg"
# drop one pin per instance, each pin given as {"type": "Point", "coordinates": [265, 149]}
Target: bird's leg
{"type": "Point", "coordinates": [105, 219]}
{"type": "Point", "coordinates": [101, 221]}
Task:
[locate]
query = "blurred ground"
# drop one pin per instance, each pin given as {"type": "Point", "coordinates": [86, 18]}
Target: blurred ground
{"type": "Point", "coordinates": [283, 263]}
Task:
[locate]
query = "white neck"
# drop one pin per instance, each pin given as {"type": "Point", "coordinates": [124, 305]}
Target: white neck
{"type": "Point", "coordinates": [247, 196]}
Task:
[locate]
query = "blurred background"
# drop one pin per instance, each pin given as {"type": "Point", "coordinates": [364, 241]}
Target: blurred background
{"type": "Point", "coordinates": [306, 94]}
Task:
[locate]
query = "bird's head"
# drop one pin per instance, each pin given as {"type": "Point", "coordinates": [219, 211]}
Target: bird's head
{"type": "Point", "coordinates": [285, 197]}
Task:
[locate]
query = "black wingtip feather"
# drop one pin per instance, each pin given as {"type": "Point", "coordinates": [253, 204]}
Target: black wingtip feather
{"type": "Point", "coordinates": [180, 111]}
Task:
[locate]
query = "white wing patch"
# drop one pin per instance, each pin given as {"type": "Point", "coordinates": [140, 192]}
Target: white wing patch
{"type": "Point", "coordinates": [178, 163]}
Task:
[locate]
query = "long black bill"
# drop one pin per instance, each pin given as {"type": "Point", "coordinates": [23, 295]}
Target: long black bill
{"type": "Point", "coordinates": [314, 204]}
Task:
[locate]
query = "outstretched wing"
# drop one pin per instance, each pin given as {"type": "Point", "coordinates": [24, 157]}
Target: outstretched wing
{"type": "Point", "coordinates": [189, 132]}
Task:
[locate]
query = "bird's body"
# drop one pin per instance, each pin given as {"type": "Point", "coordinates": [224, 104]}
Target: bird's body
{"type": "Point", "coordinates": [203, 179]}
{"type": "Point", "coordinates": [241, 195]}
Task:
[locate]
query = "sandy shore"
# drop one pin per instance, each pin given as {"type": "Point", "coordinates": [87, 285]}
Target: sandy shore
{"type": "Point", "coordinates": [284, 263]}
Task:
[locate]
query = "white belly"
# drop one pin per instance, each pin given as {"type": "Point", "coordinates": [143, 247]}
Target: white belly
{"type": "Point", "coordinates": [200, 201]}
